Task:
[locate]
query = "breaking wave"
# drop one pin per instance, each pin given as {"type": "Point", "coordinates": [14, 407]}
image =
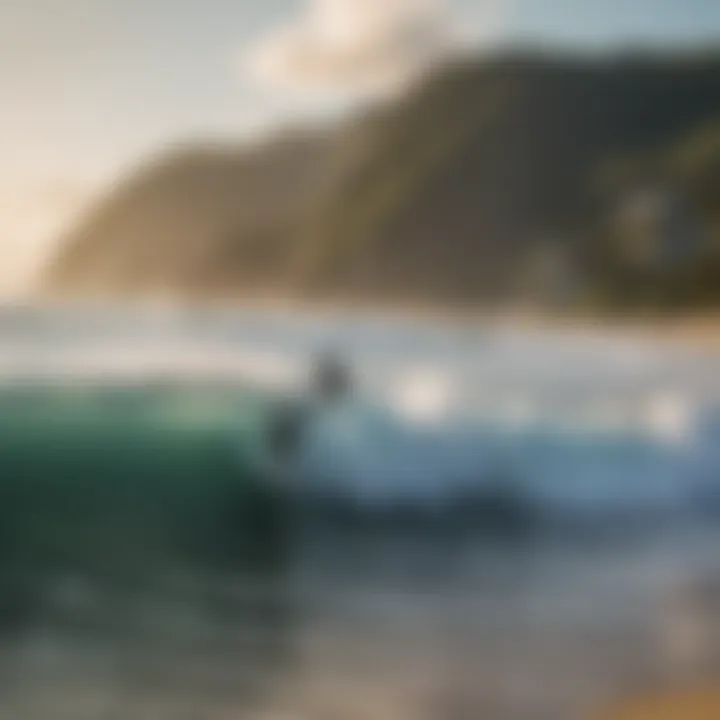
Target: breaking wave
{"type": "Point", "coordinates": [126, 436]}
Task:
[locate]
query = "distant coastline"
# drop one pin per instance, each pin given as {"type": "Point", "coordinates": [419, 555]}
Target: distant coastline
{"type": "Point", "coordinates": [544, 181]}
{"type": "Point", "coordinates": [696, 330]}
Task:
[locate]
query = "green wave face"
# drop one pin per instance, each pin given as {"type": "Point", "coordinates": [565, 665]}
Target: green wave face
{"type": "Point", "coordinates": [116, 481]}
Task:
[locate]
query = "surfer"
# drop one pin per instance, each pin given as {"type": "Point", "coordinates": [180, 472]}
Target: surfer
{"type": "Point", "coordinates": [289, 424]}
{"type": "Point", "coordinates": [286, 438]}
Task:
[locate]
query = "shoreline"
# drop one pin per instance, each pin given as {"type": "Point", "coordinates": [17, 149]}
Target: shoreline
{"type": "Point", "coordinates": [695, 330]}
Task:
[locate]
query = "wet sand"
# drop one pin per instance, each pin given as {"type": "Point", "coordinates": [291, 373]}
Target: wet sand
{"type": "Point", "coordinates": [685, 703]}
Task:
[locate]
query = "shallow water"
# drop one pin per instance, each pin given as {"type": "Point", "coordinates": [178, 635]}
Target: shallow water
{"type": "Point", "coordinates": [397, 629]}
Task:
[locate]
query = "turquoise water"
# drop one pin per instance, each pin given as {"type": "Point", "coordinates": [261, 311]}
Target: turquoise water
{"type": "Point", "coordinates": [114, 480]}
{"type": "Point", "coordinates": [123, 482]}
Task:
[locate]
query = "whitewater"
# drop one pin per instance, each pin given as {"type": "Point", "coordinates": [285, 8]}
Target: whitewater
{"type": "Point", "coordinates": [580, 421]}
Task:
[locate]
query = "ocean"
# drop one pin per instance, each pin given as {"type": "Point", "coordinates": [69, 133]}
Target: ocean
{"type": "Point", "coordinates": [500, 522]}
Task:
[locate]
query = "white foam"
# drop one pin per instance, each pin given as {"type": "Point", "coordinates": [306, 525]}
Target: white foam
{"type": "Point", "coordinates": [581, 418]}
{"type": "Point", "coordinates": [424, 395]}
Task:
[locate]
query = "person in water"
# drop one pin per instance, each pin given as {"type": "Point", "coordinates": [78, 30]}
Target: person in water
{"type": "Point", "coordinates": [291, 421]}
{"type": "Point", "coordinates": [275, 511]}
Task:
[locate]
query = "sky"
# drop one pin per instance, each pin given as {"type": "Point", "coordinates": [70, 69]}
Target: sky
{"type": "Point", "coordinates": [89, 87]}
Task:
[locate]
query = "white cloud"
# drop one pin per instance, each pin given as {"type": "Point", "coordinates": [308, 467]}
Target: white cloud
{"type": "Point", "coordinates": [352, 46]}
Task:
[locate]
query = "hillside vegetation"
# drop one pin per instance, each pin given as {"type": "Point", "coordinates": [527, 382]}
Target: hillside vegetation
{"type": "Point", "coordinates": [555, 179]}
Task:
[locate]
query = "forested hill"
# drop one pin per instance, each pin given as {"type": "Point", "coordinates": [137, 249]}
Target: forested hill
{"type": "Point", "coordinates": [551, 178]}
